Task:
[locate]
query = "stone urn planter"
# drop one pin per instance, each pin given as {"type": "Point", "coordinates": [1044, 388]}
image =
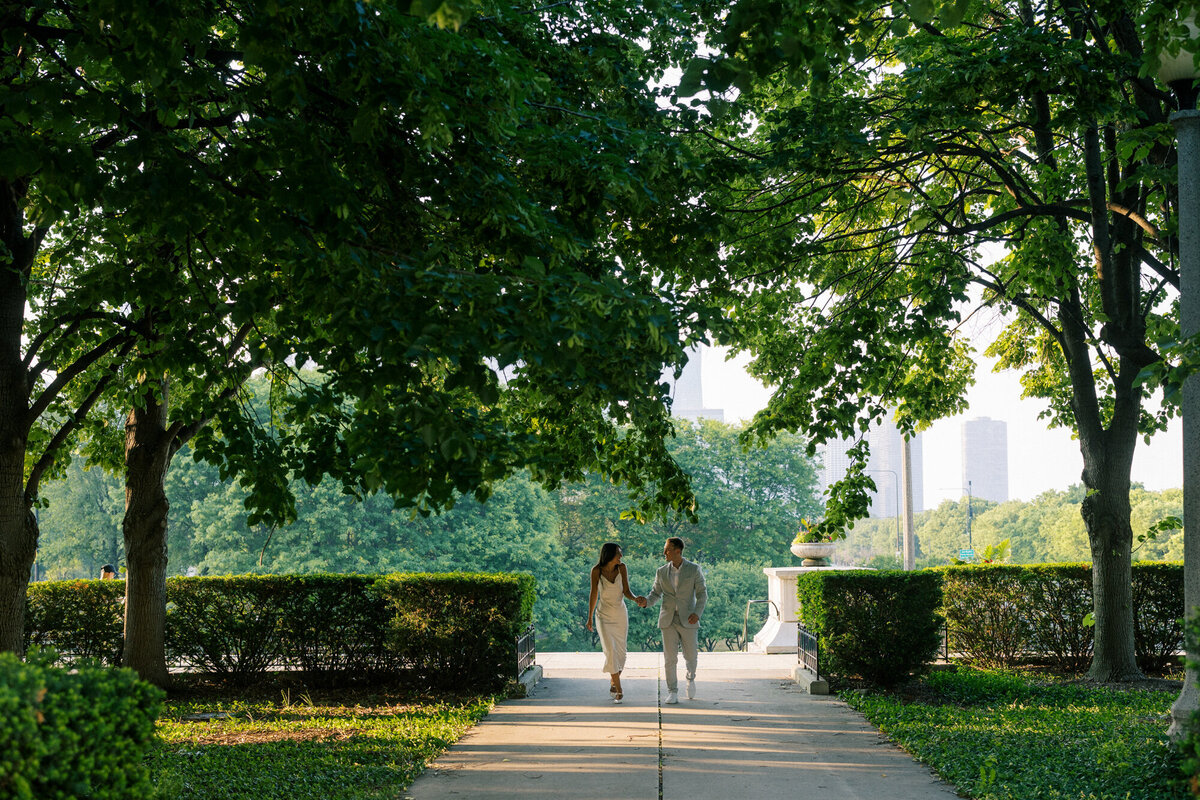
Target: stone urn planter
{"type": "Point", "coordinates": [815, 554]}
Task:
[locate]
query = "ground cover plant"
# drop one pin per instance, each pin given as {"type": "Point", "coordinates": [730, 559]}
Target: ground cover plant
{"type": "Point", "coordinates": [1002, 735]}
{"type": "Point", "coordinates": [297, 745]}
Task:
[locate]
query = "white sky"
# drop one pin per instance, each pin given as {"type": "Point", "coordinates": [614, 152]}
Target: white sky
{"type": "Point", "coordinates": [1038, 459]}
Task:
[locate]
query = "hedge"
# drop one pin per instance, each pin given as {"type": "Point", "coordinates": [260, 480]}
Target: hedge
{"type": "Point", "coordinates": [878, 626]}
{"type": "Point", "coordinates": [79, 733]}
{"type": "Point", "coordinates": [999, 615]}
{"type": "Point", "coordinates": [79, 619]}
{"type": "Point", "coordinates": [458, 625]}
{"type": "Point", "coordinates": [428, 628]}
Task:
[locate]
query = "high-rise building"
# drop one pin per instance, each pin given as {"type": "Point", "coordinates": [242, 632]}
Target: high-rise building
{"type": "Point", "coordinates": [985, 458]}
{"type": "Point", "coordinates": [687, 393]}
{"type": "Point", "coordinates": [885, 467]}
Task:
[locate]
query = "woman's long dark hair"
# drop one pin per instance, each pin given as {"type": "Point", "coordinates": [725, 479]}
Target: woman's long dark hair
{"type": "Point", "coordinates": [608, 551]}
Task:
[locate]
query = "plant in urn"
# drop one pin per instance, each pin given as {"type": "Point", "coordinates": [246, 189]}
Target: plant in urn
{"type": "Point", "coordinates": [813, 544]}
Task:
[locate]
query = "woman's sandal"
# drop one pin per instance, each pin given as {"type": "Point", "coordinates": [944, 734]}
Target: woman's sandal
{"type": "Point", "coordinates": [617, 698]}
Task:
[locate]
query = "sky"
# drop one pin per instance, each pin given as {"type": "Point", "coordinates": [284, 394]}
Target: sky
{"type": "Point", "coordinates": [1038, 459]}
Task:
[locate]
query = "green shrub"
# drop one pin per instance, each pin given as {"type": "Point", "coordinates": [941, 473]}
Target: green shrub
{"type": "Point", "coordinates": [79, 619]}
{"type": "Point", "coordinates": [1000, 616]}
{"type": "Point", "coordinates": [879, 626]}
{"type": "Point", "coordinates": [457, 629]}
{"type": "Point", "coordinates": [229, 626]}
{"type": "Point", "coordinates": [1158, 613]}
{"type": "Point", "coordinates": [1058, 598]}
{"type": "Point", "coordinates": [79, 733]}
{"type": "Point", "coordinates": [334, 625]}
{"type": "Point", "coordinates": [987, 619]}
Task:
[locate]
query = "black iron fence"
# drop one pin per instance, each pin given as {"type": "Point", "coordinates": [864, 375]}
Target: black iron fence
{"type": "Point", "coordinates": [808, 650]}
{"type": "Point", "coordinates": [526, 650]}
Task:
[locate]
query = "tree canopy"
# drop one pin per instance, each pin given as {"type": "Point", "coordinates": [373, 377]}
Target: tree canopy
{"type": "Point", "coordinates": [986, 154]}
{"type": "Point", "coordinates": [462, 229]}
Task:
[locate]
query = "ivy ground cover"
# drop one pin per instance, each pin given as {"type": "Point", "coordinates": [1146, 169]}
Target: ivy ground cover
{"type": "Point", "coordinates": [1011, 736]}
{"type": "Point", "coordinates": [301, 748]}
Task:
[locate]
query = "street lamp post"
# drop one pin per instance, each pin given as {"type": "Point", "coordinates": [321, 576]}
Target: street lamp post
{"type": "Point", "coordinates": [896, 497]}
{"type": "Point", "coordinates": [1180, 74]}
{"type": "Point", "coordinates": [970, 516]}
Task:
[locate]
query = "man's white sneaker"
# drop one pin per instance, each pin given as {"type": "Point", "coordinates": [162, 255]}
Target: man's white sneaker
{"type": "Point", "coordinates": [672, 698]}
{"type": "Point", "coordinates": [691, 688]}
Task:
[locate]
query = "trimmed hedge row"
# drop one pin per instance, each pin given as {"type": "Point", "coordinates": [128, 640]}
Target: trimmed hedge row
{"type": "Point", "coordinates": [435, 629]}
{"type": "Point", "coordinates": [999, 615]}
{"type": "Point", "coordinates": [879, 626]}
{"type": "Point", "coordinates": [79, 733]}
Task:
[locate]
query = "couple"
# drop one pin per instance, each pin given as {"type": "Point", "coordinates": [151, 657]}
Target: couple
{"type": "Point", "coordinates": [679, 584]}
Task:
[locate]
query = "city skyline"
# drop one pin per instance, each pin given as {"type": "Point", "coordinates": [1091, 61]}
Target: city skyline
{"type": "Point", "coordinates": [1040, 459]}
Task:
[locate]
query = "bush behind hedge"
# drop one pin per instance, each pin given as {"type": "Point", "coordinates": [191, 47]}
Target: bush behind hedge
{"type": "Point", "coordinates": [878, 626]}
{"type": "Point", "coordinates": [79, 733]}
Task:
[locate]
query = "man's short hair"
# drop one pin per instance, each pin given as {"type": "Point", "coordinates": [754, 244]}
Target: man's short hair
{"type": "Point", "coordinates": [676, 543]}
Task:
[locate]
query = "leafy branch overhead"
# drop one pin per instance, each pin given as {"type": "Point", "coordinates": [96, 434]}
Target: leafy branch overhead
{"type": "Point", "coordinates": [894, 179]}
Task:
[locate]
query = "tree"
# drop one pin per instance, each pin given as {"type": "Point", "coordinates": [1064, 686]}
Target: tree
{"type": "Point", "coordinates": [873, 170]}
{"type": "Point", "coordinates": [80, 524]}
{"type": "Point", "coordinates": [417, 211]}
{"type": "Point", "coordinates": [748, 507]}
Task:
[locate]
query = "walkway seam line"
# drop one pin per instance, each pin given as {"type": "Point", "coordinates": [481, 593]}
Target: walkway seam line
{"type": "Point", "coordinates": [660, 738]}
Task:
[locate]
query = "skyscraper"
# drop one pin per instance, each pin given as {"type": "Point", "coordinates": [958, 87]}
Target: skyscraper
{"type": "Point", "coordinates": [985, 458]}
{"type": "Point", "coordinates": [687, 393]}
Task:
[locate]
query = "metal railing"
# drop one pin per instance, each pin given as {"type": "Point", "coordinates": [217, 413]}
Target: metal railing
{"type": "Point", "coordinates": [746, 619]}
{"type": "Point", "coordinates": [526, 650]}
{"type": "Point", "coordinates": [808, 650]}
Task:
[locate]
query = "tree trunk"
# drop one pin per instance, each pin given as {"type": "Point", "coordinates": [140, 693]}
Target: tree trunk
{"type": "Point", "coordinates": [1106, 514]}
{"type": "Point", "coordinates": [18, 529]}
{"type": "Point", "coordinates": [148, 453]}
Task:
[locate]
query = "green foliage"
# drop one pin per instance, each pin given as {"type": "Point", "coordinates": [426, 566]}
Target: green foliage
{"type": "Point", "coordinates": [868, 179]}
{"type": "Point", "coordinates": [457, 629]}
{"type": "Point", "coordinates": [750, 499]}
{"type": "Point", "coordinates": [1189, 745]}
{"type": "Point", "coordinates": [1158, 614]}
{"type": "Point", "coordinates": [985, 619]}
{"type": "Point", "coordinates": [78, 733]}
{"type": "Point", "coordinates": [1005, 736]}
{"type": "Point", "coordinates": [1005, 615]}
{"type": "Point", "coordinates": [730, 585]}
{"type": "Point", "coordinates": [878, 626]}
{"type": "Point", "coordinates": [229, 626]}
{"type": "Point", "coordinates": [309, 750]}
{"type": "Point", "coordinates": [334, 627]}
{"type": "Point", "coordinates": [78, 619]}
{"type": "Point", "coordinates": [80, 525]}
{"type": "Point", "coordinates": [1046, 529]}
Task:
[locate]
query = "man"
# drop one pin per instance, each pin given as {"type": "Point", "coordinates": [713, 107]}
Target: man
{"type": "Point", "coordinates": [108, 572]}
{"type": "Point", "coordinates": [680, 585]}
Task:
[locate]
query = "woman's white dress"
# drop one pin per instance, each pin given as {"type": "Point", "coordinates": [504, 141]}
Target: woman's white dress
{"type": "Point", "coordinates": [612, 622]}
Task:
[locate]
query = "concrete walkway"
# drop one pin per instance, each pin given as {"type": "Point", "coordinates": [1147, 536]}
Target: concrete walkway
{"type": "Point", "coordinates": [750, 733]}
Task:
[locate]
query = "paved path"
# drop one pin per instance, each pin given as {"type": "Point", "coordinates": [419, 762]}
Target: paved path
{"type": "Point", "coordinates": [750, 733]}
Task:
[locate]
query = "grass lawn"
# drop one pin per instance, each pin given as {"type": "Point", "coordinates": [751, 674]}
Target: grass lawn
{"type": "Point", "coordinates": [1011, 736]}
{"type": "Point", "coordinates": [352, 746]}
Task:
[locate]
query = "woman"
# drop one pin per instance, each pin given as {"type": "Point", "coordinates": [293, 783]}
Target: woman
{"type": "Point", "coordinates": [610, 586]}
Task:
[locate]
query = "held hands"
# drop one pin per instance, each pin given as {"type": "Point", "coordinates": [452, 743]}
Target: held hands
{"type": "Point", "coordinates": [641, 601]}
{"type": "Point", "coordinates": [693, 619]}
